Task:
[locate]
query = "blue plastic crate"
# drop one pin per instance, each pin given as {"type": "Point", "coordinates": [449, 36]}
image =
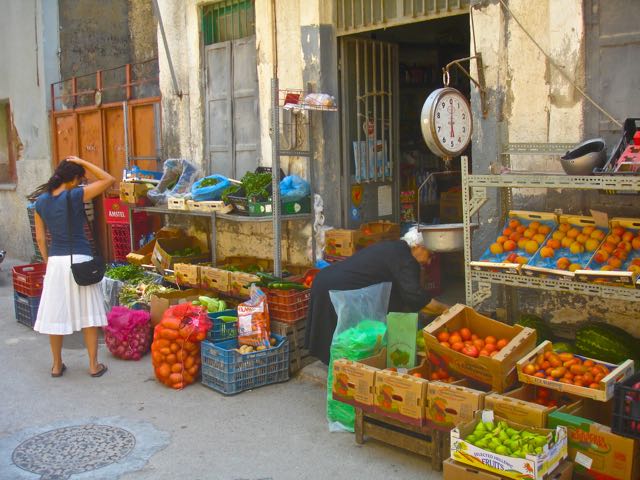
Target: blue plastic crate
{"type": "Point", "coordinates": [222, 330]}
{"type": "Point", "coordinates": [26, 309]}
{"type": "Point", "coordinates": [228, 371]}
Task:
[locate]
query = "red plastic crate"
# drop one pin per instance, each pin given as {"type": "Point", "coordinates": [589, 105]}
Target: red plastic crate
{"type": "Point", "coordinates": [289, 306]}
{"type": "Point", "coordinates": [121, 241]}
{"type": "Point", "coordinates": [28, 279]}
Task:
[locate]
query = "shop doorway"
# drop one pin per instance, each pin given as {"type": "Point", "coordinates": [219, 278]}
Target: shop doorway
{"type": "Point", "coordinates": [385, 77]}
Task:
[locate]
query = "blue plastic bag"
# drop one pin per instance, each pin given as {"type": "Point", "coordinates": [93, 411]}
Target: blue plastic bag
{"type": "Point", "coordinates": [294, 188]}
{"type": "Point", "coordinates": [179, 174]}
{"type": "Point", "coordinates": [212, 192]}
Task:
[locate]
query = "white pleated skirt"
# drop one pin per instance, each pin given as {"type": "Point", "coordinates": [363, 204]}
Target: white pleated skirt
{"type": "Point", "coordinates": [65, 306]}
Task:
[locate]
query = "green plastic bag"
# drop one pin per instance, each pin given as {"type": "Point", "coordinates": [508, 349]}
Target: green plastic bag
{"type": "Point", "coordinates": [360, 333]}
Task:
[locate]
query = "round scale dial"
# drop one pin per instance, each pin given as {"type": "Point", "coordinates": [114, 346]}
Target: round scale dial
{"type": "Point", "coordinates": [446, 122]}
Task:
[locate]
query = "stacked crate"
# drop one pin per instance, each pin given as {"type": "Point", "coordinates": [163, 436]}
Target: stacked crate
{"type": "Point", "coordinates": [27, 289]}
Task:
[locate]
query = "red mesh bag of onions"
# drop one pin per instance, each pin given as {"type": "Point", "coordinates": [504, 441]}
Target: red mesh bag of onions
{"type": "Point", "coordinates": [128, 333]}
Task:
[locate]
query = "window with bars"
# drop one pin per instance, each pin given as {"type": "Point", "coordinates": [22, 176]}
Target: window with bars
{"type": "Point", "coordinates": [228, 20]}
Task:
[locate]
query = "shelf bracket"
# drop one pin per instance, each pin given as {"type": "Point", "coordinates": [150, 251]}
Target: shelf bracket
{"type": "Point", "coordinates": [482, 293]}
{"type": "Point", "coordinates": [477, 200]}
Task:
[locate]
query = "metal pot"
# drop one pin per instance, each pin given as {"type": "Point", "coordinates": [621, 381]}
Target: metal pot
{"type": "Point", "coordinates": [584, 158]}
{"type": "Point", "coordinates": [447, 237]}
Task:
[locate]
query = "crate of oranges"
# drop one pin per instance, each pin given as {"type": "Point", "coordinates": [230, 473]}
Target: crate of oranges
{"type": "Point", "coordinates": [524, 233]}
{"type": "Point", "coordinates": [570, 248]}
{"type": "Point", "coordinates": [571, 373]}
{"type": "Point", "coordinates": [617, 259]}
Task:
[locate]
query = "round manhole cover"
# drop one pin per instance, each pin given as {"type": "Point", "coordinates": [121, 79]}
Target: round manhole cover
{"type": "Point", "coordinates": [60, 453]}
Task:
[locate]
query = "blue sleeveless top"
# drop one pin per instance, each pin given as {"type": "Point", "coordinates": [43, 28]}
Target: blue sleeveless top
{"type": "Point", "coordinates": [53, 211]}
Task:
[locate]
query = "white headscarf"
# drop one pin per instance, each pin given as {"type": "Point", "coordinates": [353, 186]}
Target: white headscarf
{"type": "Point", "coordinates": [413, 237]}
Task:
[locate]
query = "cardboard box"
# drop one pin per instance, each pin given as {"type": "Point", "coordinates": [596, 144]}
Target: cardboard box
{"type": "Point", "coordinates": [533, 467]}
{"type": "Point", "coordinates": [142, 256]}
{"type": "Point", "coordinates": [187, 275]}
{"type": "Point", "coordinates": [161, 301]}
{"type": "Point", "coordinates": [518, 406]}
{"type": "Point", "coordinates": [499, 371]}
{"type": "Point", "coordinates": [453, 470]}
{"type": "Point", "coordinates": [617, 374]}
{"type": "Point", "coordinates": [359, 378]}
{"type": "Point", "coordinates": [622, 276]}
{"type": "Point", "coordinates": [451, 207]}
{"type": "Point", "coordinates": [547, 267]}
{"type": "Point", "coordinates": [598, 453]}
{"type": "Point", "coordinates": [163, 257]}
{"type": "Point", "coordinates": [449, 405]}
{"type": "Point", "coordinates": [213, 278]}
{"type": "Point", "coordinates": [341, 242]}
{"type": "Point", "coordinates": [134, 193]}
{"type": "Point", "coordinates": [401, 396]}
{"type": "Point", "coordinates": [502, 262]}
{"type": "Point", "coordinates": [375, 232]}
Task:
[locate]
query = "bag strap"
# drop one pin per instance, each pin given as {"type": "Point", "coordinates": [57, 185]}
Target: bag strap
{"type": "Point", "coordinates": [96, 245]}
{"type": "Point", "coordinates": [69, 213]}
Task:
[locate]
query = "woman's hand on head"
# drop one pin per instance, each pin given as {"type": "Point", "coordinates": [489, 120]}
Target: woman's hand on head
{"type": "Point", "coordinates": [74, 159]}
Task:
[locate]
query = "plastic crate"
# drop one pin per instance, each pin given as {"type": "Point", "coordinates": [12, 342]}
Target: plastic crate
{"type": "Point", "coordinates": [26, 309]}
{"type": "Point", "coordinates": [28, 279]}
{"type": "Point", "coordinates": [222, 330]}
{"type": "Point", "coordinates": [627, 422]}
{"type": "Point", "coordinates": [121, 241]}
{"type": "Point", "coordinates": [289, 306]}
{"type": "Point", "coordinates": [229, 372]}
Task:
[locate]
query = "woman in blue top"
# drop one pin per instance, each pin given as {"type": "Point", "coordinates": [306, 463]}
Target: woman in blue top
{"type": "Point", "coordinates": [65, 306]}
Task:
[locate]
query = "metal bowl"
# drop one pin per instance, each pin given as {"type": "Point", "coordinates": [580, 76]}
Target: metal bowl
{"type": "Point", "coordinates": [586, 157]}
{"type": "Point", "coordinates": [447, 237]}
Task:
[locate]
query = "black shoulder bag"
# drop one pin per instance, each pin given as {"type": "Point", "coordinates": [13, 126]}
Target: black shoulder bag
{"type": "Point", "coordinates": [85, 273]}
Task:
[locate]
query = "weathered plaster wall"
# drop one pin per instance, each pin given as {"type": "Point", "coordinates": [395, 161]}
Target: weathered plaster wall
{"type": "Point", "coordinates": [24, 81]}
{"type": "Point", "coordinates": [529, 101]}
{"type": "Point", "coordinates": [142, 31]}
{"type": "Point", "coordinates": [93, 35]}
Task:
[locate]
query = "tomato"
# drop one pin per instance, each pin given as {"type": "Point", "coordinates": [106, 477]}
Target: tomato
{"type": "Point", "coordinates": [502, 343]}
{"type": "Point", "coordinates": [573, 361]}
{"type": "Point", "coordinates": [539, 374]}
{"type": "Point", "coordinates": [474, 336]}
{"type": "Point", "coordinates": [458, 346]}
{"type": "Point", "coordinates": [479, 344]}
{"type": "Point", "coordinates": [483, 353]}
{"type": "Point", "coordinates": [544, 365]}
{"type": "Point", "coordinates": [455, 338]}
{"type": "Point", "coordinates": [558, 372]}
{"type": "Point", "coordinates": [490, 339]}
{"type": "Point", "coordinates": [539, 359]}
{"type": "Point", "coordinates": [470, 351]}
{"type": "Point", "coordinates": [490, 347]}
{"type": "Point", "coordinates": [588, 377]}
{"type": "Point", "coordinates": [589, 363]}
{"type": "Point", "coordinates": [417, 375]}
{"type": "Point", "coordinates": [443, 336]}
{"type": "Point", "coordinates": [555, 362]}
{"type": "Point", "coordinates": [434, 376]}
{"type": "Point", "coordinates": [543, 392]}
{"type": "Point", "coordinates": [594, 385]}
{"type": "Point", "coordinates": [465, 333]}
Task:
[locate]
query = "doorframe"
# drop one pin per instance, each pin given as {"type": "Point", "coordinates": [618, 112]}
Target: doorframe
{"type": "Point", "coordinates": [346, 148]}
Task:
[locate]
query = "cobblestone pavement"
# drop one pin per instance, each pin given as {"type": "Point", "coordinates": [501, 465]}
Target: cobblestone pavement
{"type": "Point", "coordinates": [126, 425]}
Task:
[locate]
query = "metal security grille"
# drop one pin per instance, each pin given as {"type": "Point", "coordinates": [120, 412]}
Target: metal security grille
{"type": "Point", "coordinates": [355, 16]}
{"type": "Point", "coordinates": [228, 20]}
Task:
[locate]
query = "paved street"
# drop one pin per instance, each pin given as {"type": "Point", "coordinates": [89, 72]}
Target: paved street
{"type": "Point", "coordinates": [151, 432]}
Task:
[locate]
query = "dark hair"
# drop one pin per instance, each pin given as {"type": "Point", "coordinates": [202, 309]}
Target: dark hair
{"type": "Point", "coordinates": [65, 172]}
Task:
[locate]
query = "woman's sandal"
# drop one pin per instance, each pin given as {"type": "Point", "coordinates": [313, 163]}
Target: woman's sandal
{"type": "Point", "coordinates": [100, 372]}
{"type": "Point", "coordinates": [60, 373]}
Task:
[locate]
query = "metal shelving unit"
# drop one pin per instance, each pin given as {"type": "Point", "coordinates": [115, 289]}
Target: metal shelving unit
{"type": "Point", "coordinates": [213, 216]}
{"type": "Point", "coordinates": [474, 196]}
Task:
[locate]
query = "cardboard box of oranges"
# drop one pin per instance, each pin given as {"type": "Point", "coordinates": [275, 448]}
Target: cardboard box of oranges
{"type": "Point", "coordinates": [485, 351]}
{"type": "Point", "coordinates": [571, 373]}
{"type": "Point", "coordinates": [522, 236]}
{"type": "Point", "coordinates": [570, 248]}
{"type": "Point", "coordinates": [617, 259]}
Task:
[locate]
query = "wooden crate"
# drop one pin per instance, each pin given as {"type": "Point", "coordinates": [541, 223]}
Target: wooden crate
{"type": "Point", "coordinates": [177, 203]}
{"type": "Point", "coordinates": [434, 444]}
{"type": "Point", "coordinates": [212, 206]}
{"type": "Point", "coordinates": [298, 355]}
